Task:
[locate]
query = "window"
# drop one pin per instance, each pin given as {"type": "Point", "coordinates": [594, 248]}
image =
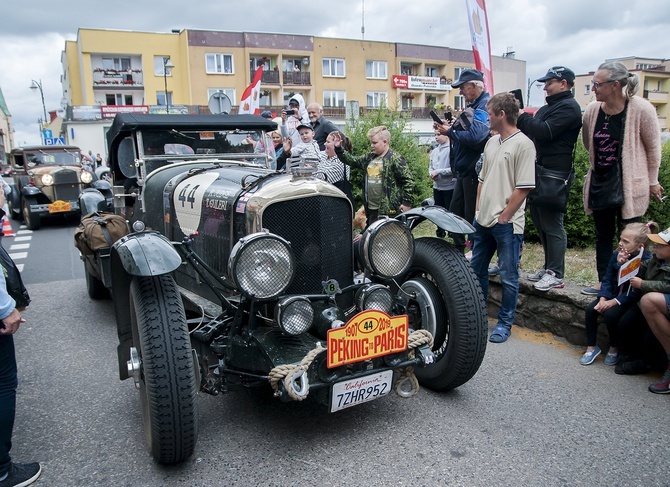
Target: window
{"type": "Point", "coordinates": [127, 99]}
{"type": "Point", "coordinates": [219, 63]}
{"type": "Point", "coordinates": [432, 71]}
{"type": "Point", "coordinates": [334, 98]}
{"type": "Point", "coordinates": [113, 99]}
{"type": "Point", "coordinates": [115, 64]}
{"type": "Point", "coordinates": [333, 67]}
{"type": "Point", "coordinates": [291, 64]}
{"type": "Point", "coordinates": [457, 71]}
{"type": "Point", "coordinates": [587, 89]}
{"type": "Point", "coordinates": [407, 69]}
{"type": "Point", "coordinates": [459, 102]}
{"type": "Point", "coordinates": [159, 64]}
{"type": "Point", "coordinates": [160, 98]}
{"type": "Point", "coordinates": [229, 92]}
{"type": "Point", "coordinates": [375, 69]}
{"type": "Point", "coordinates": [375, 99]}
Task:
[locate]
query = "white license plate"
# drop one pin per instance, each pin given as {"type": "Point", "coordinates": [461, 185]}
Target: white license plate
{"type": "Point", "coordinates": [363, 389]}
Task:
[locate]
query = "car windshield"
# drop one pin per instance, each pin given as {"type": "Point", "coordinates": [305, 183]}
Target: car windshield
{"type": "Point", "coordinates": [246, 145]}
{"type": "Point", "coordinates": [53, 158]}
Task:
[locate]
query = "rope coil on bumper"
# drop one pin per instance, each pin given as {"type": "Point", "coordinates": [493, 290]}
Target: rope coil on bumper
{"type": "Point", "coordinates": [290, 372]}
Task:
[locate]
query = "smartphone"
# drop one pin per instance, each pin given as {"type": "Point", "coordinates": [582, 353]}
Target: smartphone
{"type": "Point", "coordinates": [448, 116]}
{"type": "Point", "coordinates": [436, 117]}
{"type": "Point", "coordinates": [290, 112]}
{"type": "Point", "coordinates": [519, 96]}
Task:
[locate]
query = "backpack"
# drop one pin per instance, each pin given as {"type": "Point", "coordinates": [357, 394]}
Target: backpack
{"type": "Point", "coordinates": [15, 287]}
{"type": "Point", "coordinates": [99, 230]}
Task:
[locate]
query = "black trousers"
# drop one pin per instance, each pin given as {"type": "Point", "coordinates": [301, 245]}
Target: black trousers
{"type": "Point", "coordinates": [463, 204]}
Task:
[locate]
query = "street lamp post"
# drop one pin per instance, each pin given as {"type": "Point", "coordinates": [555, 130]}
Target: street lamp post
{"type": "Point", "coordinates": [37, 85]}
{"type": "Point", "coordinates": [167, 64]}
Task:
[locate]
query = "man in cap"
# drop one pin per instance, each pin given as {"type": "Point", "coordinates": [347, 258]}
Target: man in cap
{"type": "Point", "coordinates": [554, 130]}
{"type": "Point", "coordinates": [468, 133]}
{"type": "Point", "coordinates": [266, 114]}
{"type": "Point", "coordinates": [293, 116]}
{"type": "Point", "coordinates": [322, 126]}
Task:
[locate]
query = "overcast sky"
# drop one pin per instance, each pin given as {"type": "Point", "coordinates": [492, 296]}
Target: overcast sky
{"type": "Point", "coordinates": [576, 33]}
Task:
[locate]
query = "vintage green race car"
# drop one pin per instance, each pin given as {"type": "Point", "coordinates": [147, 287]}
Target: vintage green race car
{"type": "Point", "coordinates": [238, 276]}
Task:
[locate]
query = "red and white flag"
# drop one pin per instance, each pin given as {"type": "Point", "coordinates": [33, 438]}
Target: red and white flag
{"type": "Point", "coordinates": [481, 41]}
{"type": "Point", "coordinates": [250, 102]}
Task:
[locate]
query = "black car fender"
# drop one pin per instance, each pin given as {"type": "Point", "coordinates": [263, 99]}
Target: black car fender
{"type": "Point", "coordinates": [30, 190]}
{"type": "Point", "coordinates": [139, 254]}
{"type": "Point", "coordinates": [444, 219]}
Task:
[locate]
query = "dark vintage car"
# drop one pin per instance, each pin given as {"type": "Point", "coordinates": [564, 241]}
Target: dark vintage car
{"type": "Point", "coordinates": [237, 276]}
{"type": "Point", "coordinates": [47, 182]}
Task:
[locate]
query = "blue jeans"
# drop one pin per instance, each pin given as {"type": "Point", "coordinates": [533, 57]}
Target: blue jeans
{"type": "Point", "coordinates": [8, 383]}
{"type": "Point", "coordinates": [486, 241]}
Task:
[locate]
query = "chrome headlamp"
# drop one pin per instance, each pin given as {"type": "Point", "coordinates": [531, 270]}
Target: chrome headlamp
{"type": "Point", "coordinates": [386, 248]}
{"type": "Point", "coordinates": [47, 179]}
{"type": "Point", "coordinates": [86, 177]}
{"type": "Point", "coordinates": [294, 315]}
{"type": "Point", "coordinates": [262, 265]}
{"type": "Point", "coordinates": [374, 296]}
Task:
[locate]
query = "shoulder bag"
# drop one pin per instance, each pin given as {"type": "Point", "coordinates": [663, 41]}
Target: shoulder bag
{"type": "Point", "coordinates": [15, 287]}
{"type": "Point", "coordinates": [552, 189]}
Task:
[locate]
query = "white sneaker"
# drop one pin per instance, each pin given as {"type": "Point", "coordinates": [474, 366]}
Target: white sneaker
{"type": "Point", "coordinates": [549, 281]}
{"type": "Point", "coordinates": [536, 276]}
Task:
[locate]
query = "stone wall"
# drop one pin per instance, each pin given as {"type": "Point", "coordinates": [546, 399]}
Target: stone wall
{"type": "Point", "coordinates": [559, 311]}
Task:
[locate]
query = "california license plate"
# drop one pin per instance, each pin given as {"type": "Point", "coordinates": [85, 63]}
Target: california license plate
{"type": "Point", "coordinates": [59, 206]}
{"type": "Point", "coordinates": [353, 392]}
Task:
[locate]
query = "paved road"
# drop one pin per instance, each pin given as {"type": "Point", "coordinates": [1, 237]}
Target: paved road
{"type": "Point", "coordinates": [531, 416]}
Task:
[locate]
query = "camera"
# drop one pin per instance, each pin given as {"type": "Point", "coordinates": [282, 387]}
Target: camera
{"type": "Point", "coordinates": [290, 111]}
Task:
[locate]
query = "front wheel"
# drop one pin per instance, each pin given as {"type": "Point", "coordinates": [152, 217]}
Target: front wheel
{"type": "Point", "coordinates": [30, 218]}
{"type": "Point", "coordinates": [164, 369]}
{"type": "Point", "coordinates": [443, 296]}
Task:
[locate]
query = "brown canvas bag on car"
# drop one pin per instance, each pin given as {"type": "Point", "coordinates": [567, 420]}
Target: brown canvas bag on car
{"type": "Point", "coordinates": [99, 230]}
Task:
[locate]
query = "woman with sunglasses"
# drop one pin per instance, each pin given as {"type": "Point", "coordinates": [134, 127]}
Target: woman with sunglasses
{"type": "Point", "coordinates": [623, 138]}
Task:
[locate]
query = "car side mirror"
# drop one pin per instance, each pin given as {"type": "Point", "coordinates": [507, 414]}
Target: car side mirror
{"type": "Point", "coordinates": [126, 158]}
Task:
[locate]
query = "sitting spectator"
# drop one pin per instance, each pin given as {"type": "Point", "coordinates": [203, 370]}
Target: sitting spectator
{"type": "Point", "coordinates": [614, 300]}
{"type": "Point", "coordinates": [655, 305]}
{"type": "Point", "coordinates": [641, 348]}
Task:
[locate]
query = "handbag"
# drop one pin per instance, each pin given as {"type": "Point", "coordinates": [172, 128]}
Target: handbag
{"type": "Point", "coordinates": [15, 287]}
{"type": "Point", "coordinates": [552, 189]}
{"type": "Point", "coordinates": [606, 190]}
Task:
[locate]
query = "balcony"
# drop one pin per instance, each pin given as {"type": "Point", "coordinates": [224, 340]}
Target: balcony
{"type": "Point", "coordinates": [106, 78]}
{"type": "Point", "coordinates": [269, 77]}
{"type": "Point", "coordinates": [296, 78]}
{"type": "Point", "coordinates": [656, 96]}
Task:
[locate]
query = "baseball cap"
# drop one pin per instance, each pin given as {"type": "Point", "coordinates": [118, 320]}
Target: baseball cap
{"type": "Point", "coordinates": [307, 125]}
{"type": "Point", "coordinates": [266, 114]}
{"type": "Point", "coordinates": [662, 238]}
{"type": "Point", "coordinates": [293, 101]}
{"type": "Point", "coordinates": [559, 73]}
{"type": "Point", "coordinates": [468, 75]}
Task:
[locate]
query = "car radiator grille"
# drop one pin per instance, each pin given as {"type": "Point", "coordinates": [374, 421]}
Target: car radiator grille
{"type": "Point", "coordinates": [319, 230]}
{"type": "Point", "coordinates": [66, 185]}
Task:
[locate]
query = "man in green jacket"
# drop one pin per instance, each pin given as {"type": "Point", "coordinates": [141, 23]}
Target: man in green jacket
{"type": "Point", "coordinates": [389, 183]}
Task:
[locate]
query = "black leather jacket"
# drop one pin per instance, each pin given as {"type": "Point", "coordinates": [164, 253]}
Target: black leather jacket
{"type": "Point", "coordinates": [554, 130]}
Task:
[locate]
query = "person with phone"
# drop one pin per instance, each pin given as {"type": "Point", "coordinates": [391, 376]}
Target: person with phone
{"type": "Point", "coordinates": [292, 117]}
{"type": "Point", "coordinates": [468, 134]}
{"type": "Point", "coordinates": [554, 130]}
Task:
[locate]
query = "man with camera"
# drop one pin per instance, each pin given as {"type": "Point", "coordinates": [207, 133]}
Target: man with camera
{"type": "Point", "coordinates": [468, 134]}
{"type": "Point", "coordinates": [292, 117]}
{"type": "Point", "coordinates": [554, 130]}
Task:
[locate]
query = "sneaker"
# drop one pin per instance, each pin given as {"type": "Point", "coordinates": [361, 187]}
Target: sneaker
{"type": "Point", "coordinates": [494, 270]}
{"type": "Point", "coordinates": [611, 358]}
{"type": "Point", "coordinates": [663, 385]}
{"type": "Point", "coordinates": [537, 275]}
{"type": "Point", "coordinates": [20, 475]}
{"type": "Point", "coordinates": [590, 291]}
{"type": "Point", "coordinates": [590, 356]}
{"type": "Point", "coordinates": [632, 367]}
{"type": "Point", "coordinates": [549, 281]}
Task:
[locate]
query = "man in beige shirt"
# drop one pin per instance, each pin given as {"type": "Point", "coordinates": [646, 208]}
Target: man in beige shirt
{"type": "Point", "coordinates": [506, 178]}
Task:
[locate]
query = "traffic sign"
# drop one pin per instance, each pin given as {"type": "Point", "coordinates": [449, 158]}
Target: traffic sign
{"type": "Point", "coordinates": [54, 141]}
{"type": "Point", "coordinates": [47, 134]}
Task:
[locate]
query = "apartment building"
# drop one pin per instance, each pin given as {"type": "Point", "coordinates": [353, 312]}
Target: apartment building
{"type": "Point", "coordinates": [654, 84]}
{"type": "Point", "coordinates": [6, 132]}
{"type": "Point", "coordinates": [108, 71]}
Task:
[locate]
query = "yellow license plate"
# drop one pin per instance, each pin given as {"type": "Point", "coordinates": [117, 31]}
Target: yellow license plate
{"type": "Point", "coordinates": [367, 335]}
{"type": "Point", "coordinates": [59, 206]}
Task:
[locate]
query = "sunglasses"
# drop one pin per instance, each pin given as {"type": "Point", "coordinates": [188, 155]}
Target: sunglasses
{"type": "Point", "coordinates": [597, 84]}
